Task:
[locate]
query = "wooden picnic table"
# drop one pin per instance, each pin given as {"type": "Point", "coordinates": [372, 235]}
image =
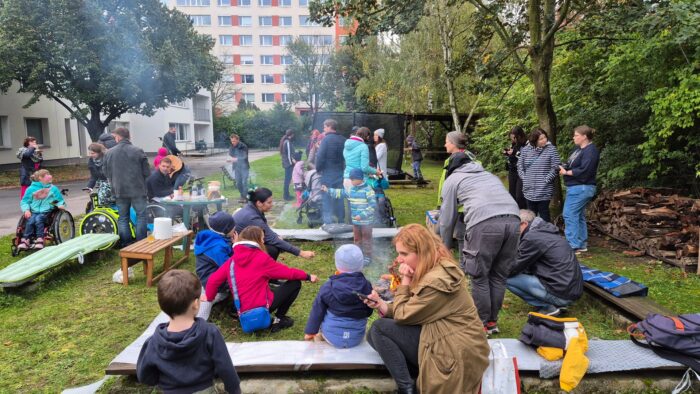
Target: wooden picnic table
{"type": "Point", "coordinates": [145, 250]}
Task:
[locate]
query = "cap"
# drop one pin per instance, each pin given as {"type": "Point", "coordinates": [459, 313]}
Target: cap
{"type": "Point", "coordinates": [349, 258]}
{"type": "Point", "coordinates": [221, 222]}
{"type": "Point", "coordinates": [356, 173]}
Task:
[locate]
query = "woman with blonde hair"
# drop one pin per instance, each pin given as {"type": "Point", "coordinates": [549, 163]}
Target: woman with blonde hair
{"type": "Point", "coordinates": [432, 329]}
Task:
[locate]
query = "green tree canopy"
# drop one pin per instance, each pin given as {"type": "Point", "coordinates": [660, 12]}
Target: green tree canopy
{"type": "Point", "coordinates": [102, 58]}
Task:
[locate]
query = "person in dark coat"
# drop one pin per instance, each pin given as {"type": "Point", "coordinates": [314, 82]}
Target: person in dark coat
{"type": "Point", "coordinates": [546, 273]}
{"type": "Point", "coordinates": [169, 141]}
{"type": "Point", "coordinates": [518, 139]}
{"type": "Point", "coordinates": [96, 152]}
{"type": "Point", "coordinates": [287, 153]}
{"type": "Point", "coordinates": [126, 167]}
{"type": "Point", "coordinates": [30, 160]}
{"type": "Point", "coordinates": [107, 140]}
{"type": "Point", "coordinates": [331, 165]}
{"type": "Point", "coordinates": [253, 214]}
{"type": "Point", "coordinates": [159, 184]}
{"type": "Point", "coordinates": [238, 153]}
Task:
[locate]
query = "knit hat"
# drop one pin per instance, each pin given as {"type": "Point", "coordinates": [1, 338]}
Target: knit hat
{"type": "Point", "coordinates": [456, 138]}
{"type": "Point", "coordinates": [221, 222]}
{"type": "Point", "coordinates": [356, 173]}
{"type": "Point", "coordinates": [349, 258]}
{"type": "Point", "coordinates": [379, 132]}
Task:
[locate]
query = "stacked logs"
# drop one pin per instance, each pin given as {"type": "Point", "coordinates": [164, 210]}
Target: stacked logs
{"type": "Point", "coordinates": [656, 221]}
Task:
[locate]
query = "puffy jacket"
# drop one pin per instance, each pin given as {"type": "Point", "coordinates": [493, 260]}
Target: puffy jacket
{"type": "Point", "coordinates": [253, 269]}
{"type": "Point", "coordinates": [337, 296]}
{"type": "Point", "coordinates": [329, 159]}
{"type": "Point", "coordinates": [546, 254]}
{"type": "Point", "coordinates": [126, 167]}
{"type": "Point", "coordinates": [249, 215]}
{"type": "Point", "coordinates": [211, 251]}
{"type": "Point", "coordinates": [538, 167]}
{"type": "Point", "coordinates": [35, 205]}
{"type": "Point", "coordinates": [356, 155]}
{"type": "Point", "coordinates": [362, 200]}
{"type": "Point", "coordinates": [27, 156]}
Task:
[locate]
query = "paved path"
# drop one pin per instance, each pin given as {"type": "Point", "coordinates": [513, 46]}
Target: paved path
{"type": "Point", "coordinates": [77, 199]}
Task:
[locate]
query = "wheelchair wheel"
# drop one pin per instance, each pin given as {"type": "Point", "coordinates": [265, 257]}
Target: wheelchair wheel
{"type": "Point", "coordinates": [63, 227]}
{"type": "Point", "coordinates": [99, 222]}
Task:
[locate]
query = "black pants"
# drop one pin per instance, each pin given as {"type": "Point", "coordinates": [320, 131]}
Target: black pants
{"type": "Point", "coordinates": [285, 294]}
{"type": "Point", "coordinates": [397, 345]}
{"type": "Point", "coordinates": [287, 180]}
{"type": "Point", "coordinates": [515, 188]}
{"type": "Point", "coordinates": [540, 208]}
{"type": "Point", "coordinates": [272, 251]}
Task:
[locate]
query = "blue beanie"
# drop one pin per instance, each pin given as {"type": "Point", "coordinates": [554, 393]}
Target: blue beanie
{"type": "Point", "coordinates": [348, 258]}
{"type": "Point", "coordinates": [221, 222]}
{"type": "Point", "coordinates": [356, 173]}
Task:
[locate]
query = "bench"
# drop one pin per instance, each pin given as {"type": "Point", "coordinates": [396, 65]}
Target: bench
{"type": "Point", "coordinates": [145, 249]}
{"type": "Point", "coordinates": [639, 307]}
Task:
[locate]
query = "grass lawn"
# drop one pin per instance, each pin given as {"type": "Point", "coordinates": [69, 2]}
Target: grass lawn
{"type": "Point", "coordinates": [63, 331]}
{"type": "Point", "coordinates": [61, 173]}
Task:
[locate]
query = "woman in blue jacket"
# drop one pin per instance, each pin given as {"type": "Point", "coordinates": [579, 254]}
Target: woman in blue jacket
{"type": "Point", "coordinates": [356, 155]}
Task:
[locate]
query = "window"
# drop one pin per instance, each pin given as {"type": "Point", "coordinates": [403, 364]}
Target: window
{"type": "Point", "coordinates": [182, 131]}
{"type": "Point", "coordinates": [317, 40]}
{"type": "Point", "coordinates": [248, 97]}
{"type": "Point", "coordinates": [4, 132]}
{"type": "Point", "coordinates": [225, 20]}
{"type": "Point", "coordinates": [113, 125]}
{"type": "Point", "coordinates": [247, 78]}
{"type": "Point", "coordinates": [285, 98]}
{"type": "Point", "coordinates": [226, 59]}
{"type": "Point", "coordinates": [265, 21]}
{"type": "Point", "coordinates": [265, 41]}
{"type": "Point", "coordinates": [287, 59]}
{"type": "Point", "coordinates": [245, 21]}
{"type": "Point", "coordinates": [323, 58]}
{"type": "Point", "coordinates": [227, 78]}
{"type": "Point", "coordinates": [179, 104]}
{"type": "Point", "coordinates": [285, 3]}
{"type": "Point", "coordinates": [38, 128]}
{"type": "Point", "coordinates": [268, 97]}
{"type": "Point", "coordinates": [305, 20]}
{"type": "Point", "coordinates": [267, 59]}
{"type": "Point", "coordinates": [226, 40]}
{"type": "Point", "coordinates": [69, 134]}
{"type": "Point", "coordinates": [283, 78]}
{"type": "Point", "coordinates": [285, 40]}
{"type": "Point", "coordinates": [245, 41]}
{"type": "Point", "coordinates": [267, 78]}
{"type": "Point", "coordinates": [265, 3]}
{"type": "Point", "coordinates": [244, 3]}
{"type": "Point", "coordinates": [303, 3]}
{"type": "Point", "coordinates": [285, 21]}
{"type": "Point", "coordinates": [247, 59]}
{"type": "Point", "coordinates": [201, 20]}
{"type": "Point", "coordinates": [224, 3]}
{"type": "Point", "coordinates": [193, 3]}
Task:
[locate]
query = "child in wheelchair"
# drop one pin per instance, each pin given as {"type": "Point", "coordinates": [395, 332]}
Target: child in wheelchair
{"type": "Point", "coordinates": [39, 200]}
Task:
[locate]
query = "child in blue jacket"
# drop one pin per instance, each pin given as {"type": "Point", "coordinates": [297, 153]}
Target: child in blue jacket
{"type": "Point", "coordinates": [363, 203]}
{"type": "Point", "coordinates": [337, 310]}
{"type": "Point", "coordinates": [39, 199]}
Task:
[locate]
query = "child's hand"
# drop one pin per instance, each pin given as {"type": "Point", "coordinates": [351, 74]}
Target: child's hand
{"type": "Point", "coordinates": [309, 337]}
{"type": "Point", "coordinates": [313, 279]}
{"type": "Point", "coordinates": [307, 254]}
{"type": "Point", "coordinates": [357, 217]}
{"type": "Point", "coordinates": [27, 214]}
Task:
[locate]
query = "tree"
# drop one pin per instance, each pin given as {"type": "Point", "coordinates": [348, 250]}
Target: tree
{"type": "Point", "coordinates": [100, 59]}
{"type": "Point", "coordinates": [223, 91]}
{"type": "Point", "coordinates": [308, 74]}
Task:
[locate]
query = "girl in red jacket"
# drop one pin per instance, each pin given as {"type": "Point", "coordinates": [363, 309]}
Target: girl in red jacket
{"type": "Point", "coordinates": [253, 269]}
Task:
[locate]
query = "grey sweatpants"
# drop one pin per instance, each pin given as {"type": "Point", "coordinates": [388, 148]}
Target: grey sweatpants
{"type": "Point", "coordinates": [490, 248]}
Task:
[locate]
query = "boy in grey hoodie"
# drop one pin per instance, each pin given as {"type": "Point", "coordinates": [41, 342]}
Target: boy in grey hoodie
{"type": "Point", "coordinates": [492, 232]}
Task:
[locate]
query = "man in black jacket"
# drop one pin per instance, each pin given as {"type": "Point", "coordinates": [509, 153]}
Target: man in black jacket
{"type": "Point", "coordinates": [159, 184]}
{"type": "Point", "coordinates": [546, 273]}
{"type": "Point", "coordinates": [331, 164]}
{"type": "Point", "coordinates": [169, 141]}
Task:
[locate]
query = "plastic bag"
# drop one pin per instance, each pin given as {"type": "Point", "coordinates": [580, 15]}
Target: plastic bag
{"type": "Point", "coordinates": [501, 376]}
{"type": "Point", "coordinates": [117, 277]}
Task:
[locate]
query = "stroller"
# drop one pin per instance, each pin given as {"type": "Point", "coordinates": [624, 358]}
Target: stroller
{"type": "Point", "coordinates": [311, 200]}
{"type": "Point", "coordinates": [384, 215]}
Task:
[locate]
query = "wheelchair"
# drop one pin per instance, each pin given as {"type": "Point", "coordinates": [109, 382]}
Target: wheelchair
{"type": "Point", "coordinates": [59, 227]}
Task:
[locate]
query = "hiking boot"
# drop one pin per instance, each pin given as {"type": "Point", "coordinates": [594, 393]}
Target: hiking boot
{"type": "Point", "coordinates": [550, 310]}
{"type": "Point", "coordinates": [39, 244]}
{"type": "Point", "coordinates": [280, 323]}
{"type": "Point", "coordinates": [491, 328]}
{"type": "Point", "coordinates": [23, 244]}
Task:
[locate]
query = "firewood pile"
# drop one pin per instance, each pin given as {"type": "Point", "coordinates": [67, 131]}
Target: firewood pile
{"type": "Point", "coordinates": [656, 221]}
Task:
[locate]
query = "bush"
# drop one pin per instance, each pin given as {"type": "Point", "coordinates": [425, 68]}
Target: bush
{"type": "Point", "coordinates": [260, 129]}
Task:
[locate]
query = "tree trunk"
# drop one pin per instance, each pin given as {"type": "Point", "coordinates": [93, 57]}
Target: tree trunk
{"type": "Point", "coordinates": [95, 127]}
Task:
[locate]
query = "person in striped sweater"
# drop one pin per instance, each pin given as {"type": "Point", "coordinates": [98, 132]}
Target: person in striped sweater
{"type": "Point", "coordinates": [538, 168]}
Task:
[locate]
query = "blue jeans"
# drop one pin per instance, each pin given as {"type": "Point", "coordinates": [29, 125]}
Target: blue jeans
{"type": "Point", "coordinates": [35, 225]}
{"type": "Point", "coordinates": [124, 205]}
{"type": "Point", "coordinates": [531, 290]}
{"type": "Point", "coordinates": [416, 169]}
{"type": "Point", "coordinates": [287, 180]}
{"type": "Point", "coordinates": [241, 173]}
{"type": "Point", "coordinates": [575, 229]}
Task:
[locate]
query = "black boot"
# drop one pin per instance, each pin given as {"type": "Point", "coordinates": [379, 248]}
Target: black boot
{"type": "Point", "coordinates": [408, 390]}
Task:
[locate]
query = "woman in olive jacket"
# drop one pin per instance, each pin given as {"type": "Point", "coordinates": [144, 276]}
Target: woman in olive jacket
{"type": "Point", "coordinates": [432, 325]}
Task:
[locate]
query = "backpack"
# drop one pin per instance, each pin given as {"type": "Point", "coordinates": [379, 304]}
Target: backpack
{"type": "Point", "coordinates": [676, 338]}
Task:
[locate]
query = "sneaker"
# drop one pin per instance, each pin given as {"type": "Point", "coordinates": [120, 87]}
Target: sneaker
{"type": "Point", "coordinates": [550, 310]}
{"type": "Point", "coordinates": [581, 250]}
{"type": "Point", "coordinates": [280, 323]}
{"type": "Point", "coordinates": [23, 244]}
{"type": "Point", "coordinates": [39, 243]}
{"type": "Point", "coordinates": [491, 328]}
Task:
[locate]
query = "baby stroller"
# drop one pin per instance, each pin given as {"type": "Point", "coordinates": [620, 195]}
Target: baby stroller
{"type": "Point", "coordinates": [59, 227]}
{"type": "Point", "coordinates": [311, 200]}
{"type": "Point", "coordinates": [384, 215]}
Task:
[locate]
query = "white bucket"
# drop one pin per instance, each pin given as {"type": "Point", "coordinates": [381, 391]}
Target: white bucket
{"type": "Point", "coordinates": [162, 228]}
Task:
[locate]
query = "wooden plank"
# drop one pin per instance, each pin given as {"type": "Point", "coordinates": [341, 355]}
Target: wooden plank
{"type": "Point", "coordinates": [639, 307]}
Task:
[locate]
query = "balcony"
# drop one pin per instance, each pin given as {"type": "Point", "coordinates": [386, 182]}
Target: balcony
{"type": "Point", "coordinates": [202, 115]}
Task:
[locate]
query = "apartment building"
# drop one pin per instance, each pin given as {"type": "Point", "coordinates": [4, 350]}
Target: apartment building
{"type": "Point", "coordinates": [251, 38]}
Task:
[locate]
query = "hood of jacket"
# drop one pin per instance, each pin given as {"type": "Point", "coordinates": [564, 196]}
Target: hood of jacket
{"type": "Point", "coordinates": [344, 286]}
{"type": "Point", "coordinates": [214, 245]}
{"type": "Point", "coordinates": [38, 185]}
{"type": "Point", "coordinates": [540, 225]}
{"type": "Point", "coordinates": [353, 146]}
{"type": "Point", "coordinates": [470, 167]}
{"type": "Point", "coordinates": [179, 345]}
{"type": "Point", "coordinates": [245, 253]}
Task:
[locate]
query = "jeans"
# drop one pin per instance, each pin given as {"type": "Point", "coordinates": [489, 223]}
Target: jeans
{"type": "Point", "coordinates": [531, 290]}
{"type": "Point", "coordinates": [540, 208]}
{"type": "Point", "coordinates": [397, 345]}
{"type": "Point", "coordinates": [575, 228]}
{"type": "Point", "coordinates": [416, 169]}
{"type": "Point", "coordinates": [284, 296]}
{"type": "Point", "coordinates": [35, 225]}
{"type": "Point", "coordinates": [490, 248]}
{"type": "Point", "coordinates": [287, 180]}
{"type": "Point", "coordinates": [241, 173]}
{"type": "Point", "coordinates": [124, 206]}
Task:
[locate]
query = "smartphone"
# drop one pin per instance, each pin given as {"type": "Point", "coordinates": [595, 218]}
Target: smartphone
{"type": "Point", "coordinates": [362, 296]}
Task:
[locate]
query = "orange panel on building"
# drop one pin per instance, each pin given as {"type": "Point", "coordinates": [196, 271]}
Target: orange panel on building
{"type": "Point", "coordinates": [278, 97]}
{"type": "Point", "coordinates": [237, 60]}
{"type": "Point", "coordinates": [278, 78]}
{"type": "Point", "coordinates": [276, 60]}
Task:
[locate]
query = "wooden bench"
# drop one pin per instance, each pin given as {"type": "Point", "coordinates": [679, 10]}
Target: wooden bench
{"type": "Point", "coordinates": [144, 250]}
{"type": "Point", "coordinates": [639, 307]}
